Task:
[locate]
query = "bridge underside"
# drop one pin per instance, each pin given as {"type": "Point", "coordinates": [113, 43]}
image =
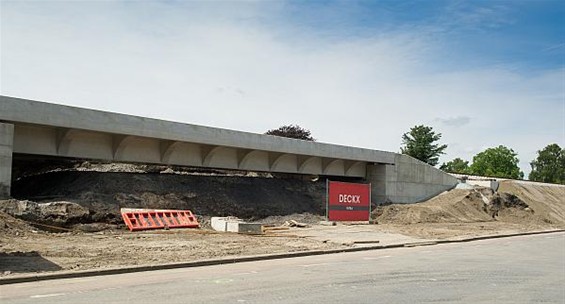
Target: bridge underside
{"type": "Point", "coordinates": [61, 142]}
{"type": "Point", "coordinates": [406, 181]}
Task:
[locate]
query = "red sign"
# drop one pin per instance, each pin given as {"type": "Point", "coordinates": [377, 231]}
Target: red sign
{"type": "Point", "coordinates": [348, 201]}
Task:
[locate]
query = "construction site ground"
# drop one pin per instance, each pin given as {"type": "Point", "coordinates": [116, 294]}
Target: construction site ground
{"type": "Point", "coordinates": [459, 213]}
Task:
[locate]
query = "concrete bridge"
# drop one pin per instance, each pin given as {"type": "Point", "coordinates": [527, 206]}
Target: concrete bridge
{"type": "Point", "coordinates": [30, 127]}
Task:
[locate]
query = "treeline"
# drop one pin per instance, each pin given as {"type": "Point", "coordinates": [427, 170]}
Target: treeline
{"type": "Point", "coordinates": [421, 142]}
{"type": "Point", "coordinates": [501, 161]}
{"type": "Point", "coordinates": [547, 167]}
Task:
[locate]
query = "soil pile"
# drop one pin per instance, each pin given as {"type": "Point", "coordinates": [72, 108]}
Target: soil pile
{"type": "Point", "coordinates": [467, 206]}
{"type": "Point", "coordinates": [546, 200]}
{"type": "Point", "coordinates": [13, 226]}
{"type": "Point", "coordinates": [104, 193]}
{"type": "Point", "coordinates": [455, 206]}
{"type": "Point", "coordinates": [508, 207]}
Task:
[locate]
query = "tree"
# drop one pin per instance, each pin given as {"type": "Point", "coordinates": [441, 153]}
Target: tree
{"type": "Point", "coordinates": [419, 143]}
{"type": "Point", "coordinates": [292, 131]}
{"type": "Point", "coordinates": [456, 166]}
{"type": "Point", "coordinates": [549, 166]}
{"type": "Point", "coordinates": [497, 162]}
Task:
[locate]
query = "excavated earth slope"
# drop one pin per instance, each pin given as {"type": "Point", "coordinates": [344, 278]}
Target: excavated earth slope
{"type": "Point", "coordinates": [104, 193]}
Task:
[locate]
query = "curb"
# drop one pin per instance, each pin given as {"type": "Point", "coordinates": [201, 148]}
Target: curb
{"type": "Point", "coordinates": [91, 273]}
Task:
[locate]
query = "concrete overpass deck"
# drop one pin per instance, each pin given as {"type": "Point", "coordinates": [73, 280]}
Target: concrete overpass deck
{"type": "Point", "coordinates": [39, 128]}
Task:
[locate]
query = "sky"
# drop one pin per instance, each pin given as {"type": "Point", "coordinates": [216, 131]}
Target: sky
{"type": "Point", "coordinates": [358, 73]}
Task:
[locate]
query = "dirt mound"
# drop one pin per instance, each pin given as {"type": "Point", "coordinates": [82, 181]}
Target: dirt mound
{"type": "Point", "coordinates": [508, 207]}
{"type": "Point", "coordinates": [104, 193]}
{"type": "Point", "coordinates": [53, 213]}
{"type": "Point", "coordinates": [460, 206]}
{"type": "Point", "coordinates": [455, 206]}
{"type": "Point", "coordinates": [546, 200]}
{"type": "Point", "coordinates": [13, 226]}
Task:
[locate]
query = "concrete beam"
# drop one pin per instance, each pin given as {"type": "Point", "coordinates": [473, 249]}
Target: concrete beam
{"type": "Point", "coordinates": [17, 110]}
{"type": "Point", "coordinates": [6, 148]}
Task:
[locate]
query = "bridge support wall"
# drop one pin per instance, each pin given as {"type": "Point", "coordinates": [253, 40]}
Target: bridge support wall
{"type": "Point", "coordinates": [407, 181]}
{"type": "Point", "coordinates": [6, 148]}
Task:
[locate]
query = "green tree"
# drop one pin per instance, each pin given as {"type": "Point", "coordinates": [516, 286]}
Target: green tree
{"type": "Point", "coordinates": [497, 162]}
{"type": "Point", "coordinates": [549, 166]}
{"type": "Point", "coordinates": [292, 131]}
{"type": "Point", "coordinates": [420, 143]}
{"type": "Point", "coordinates": [456, 166]}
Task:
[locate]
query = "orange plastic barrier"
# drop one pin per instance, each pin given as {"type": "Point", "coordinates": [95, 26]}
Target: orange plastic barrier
{"type": "Point", "coordinates": [142, 219]}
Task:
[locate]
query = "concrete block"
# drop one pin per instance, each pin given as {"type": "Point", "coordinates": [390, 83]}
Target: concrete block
{"type": "Point", "coordinates": [234, 224]}
{"type": "Point", "coordinates": [225, 224]}
{"type": "Point", "coordinates": [250, 228]}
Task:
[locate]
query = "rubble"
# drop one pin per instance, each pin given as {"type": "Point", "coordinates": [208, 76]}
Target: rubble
{"type": "Point", "coordinates": [61, 214]}
{"type": "Point", "coordinates": [293, 223]}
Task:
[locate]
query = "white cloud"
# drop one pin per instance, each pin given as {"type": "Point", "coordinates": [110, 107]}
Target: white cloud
{"type": "Point", "coordinates": [224, 67]}
{"type": "Point", "coordinates": [454, 121]}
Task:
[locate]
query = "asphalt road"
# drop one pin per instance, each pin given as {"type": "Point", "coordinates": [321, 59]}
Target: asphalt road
{"type": "Point", "coordinates": [524, 269]}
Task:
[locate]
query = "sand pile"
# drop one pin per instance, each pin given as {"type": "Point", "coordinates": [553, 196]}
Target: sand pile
{"type": "Point", "coordinates": [455, 206]}
{"type": "Point", "coordinates": [546, 200]}
{"type": "Point", "coordinates": [463, 206]}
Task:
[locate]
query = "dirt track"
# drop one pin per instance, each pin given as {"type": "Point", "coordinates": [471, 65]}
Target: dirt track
{"type": "Point", "coordinates": [36, 252]}
{"type": "Point", "coordinates": [454, 214]}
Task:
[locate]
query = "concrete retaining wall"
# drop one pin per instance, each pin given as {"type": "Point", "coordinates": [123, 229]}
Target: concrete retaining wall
{"type": "Point", "coordinates": [407, 181]}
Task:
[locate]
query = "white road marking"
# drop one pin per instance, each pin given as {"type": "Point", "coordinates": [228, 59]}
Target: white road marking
{"type": "Point", "coordinates": [377, 258]}
{"type": "Point", "coordinates": [47, 295]}
{"type": "Point", "coordinates": [318, 264]}
{"type": "Point", "coordinates": [222, 281]}
{"type": "Point", "coordinates": [245, 273]}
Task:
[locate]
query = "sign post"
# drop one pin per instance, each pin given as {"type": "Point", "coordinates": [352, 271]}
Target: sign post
{"type": "Point", "coordinates": [348, 201]}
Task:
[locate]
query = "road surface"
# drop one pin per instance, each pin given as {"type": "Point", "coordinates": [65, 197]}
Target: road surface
{"type": "Point", "coordinates": [510, 270]}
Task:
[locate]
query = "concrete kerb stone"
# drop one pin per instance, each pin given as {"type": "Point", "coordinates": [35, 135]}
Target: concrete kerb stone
{"type": "Point", "coordinates": [497, 236]}
{"type": "Point", "coordinates": [91, 273]}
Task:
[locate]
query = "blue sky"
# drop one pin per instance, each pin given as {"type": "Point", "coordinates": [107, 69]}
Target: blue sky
{"type": "Point", "coordinates": [483, 73]}
{"type": "Point", "coordinates": [523, 34]}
